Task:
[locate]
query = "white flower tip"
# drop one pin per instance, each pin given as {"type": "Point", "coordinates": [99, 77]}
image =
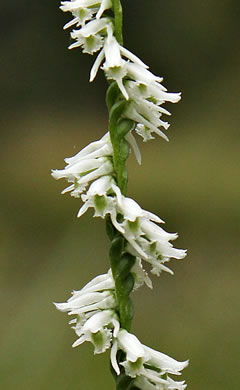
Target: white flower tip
{"type": "Point", "coordinates": [122, 89]}
{"type": "Point", "coordinates": [55, 174]}
{"type": "Point", "coordinates": [183, 365]}
{"type": "Point", "coordinates": [149, 283]}
{"type": "Point", "coordinates": [113, 355]}
{"type": "Point", "coordinates": [179, 97]}
{"type": "Point", "coordinates": [93, 74]}
{"type": "Point", "coordinates": [76, 343]}
{"type": "Point", "coordinates": [186, 363]}
{"type": "Point", "coordinates": [59, 306]}
{"type": "Point", "coordinates": [79, 214]}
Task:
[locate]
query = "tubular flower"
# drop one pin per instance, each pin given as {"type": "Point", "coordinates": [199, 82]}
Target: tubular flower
{"type": "Point", "coordinates": [91, 36]}
{"type": "Point", "coordinates": [83, 10]}
{"type": "Point", "coordinates": [150, 368]}
{"type": "Point", "coordinates": [146, 239]}
{"type": "Point", "coordinates": [115, 67]}
{"type": "Point", "coordinates": [98, 198]}
{"type": "Point", "coordinates": [89, 164]}
{"type": "Point", "coordinates": [138, 85]}
{"type": "Point", "coordinates": [94, 306]}
{"type": "Point", "coordinates": [146, 98]}
{"type": "Point", "coordinates": [140, 275]}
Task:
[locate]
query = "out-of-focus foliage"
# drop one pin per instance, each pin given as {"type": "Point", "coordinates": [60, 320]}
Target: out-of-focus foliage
{"type": "Point", "coordinates": [49, 111]}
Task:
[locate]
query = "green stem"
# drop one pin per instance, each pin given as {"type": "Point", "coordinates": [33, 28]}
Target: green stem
{"type": "Point", "coordinates": [121, 261]}
{"type": "Point", "coordinates": [118, 18]}
{"type": "Point", "coordinates": [121, 264]}
{"type": "Point", "coordinates": [118, 128]}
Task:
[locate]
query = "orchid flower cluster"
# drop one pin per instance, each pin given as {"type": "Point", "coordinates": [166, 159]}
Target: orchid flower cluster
{"type": "Point", "coordinates": [97, 175]}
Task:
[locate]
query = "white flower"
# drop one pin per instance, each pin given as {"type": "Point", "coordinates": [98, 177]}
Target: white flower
{"type": "Point", "coordinates": [83, 303]}
{"type": "Point", "coordinates": [149, 367]}
{"type": "Point", "coordinates": [146, 96]}
{"type": "Point", "coordinates": [104, 5]}
{"type": "Point", "coordinates": [156, 383]}
{"type": "Point", "coordinates": [83, 10]}
{"type": "Point", "coordinates": [81, 16]}
{"type": "Point", "coordinates": [94, 305]}
{"type": "Point", "coordinates": [89, 164]}
{"type": "Point", "coordinates": [146, 239]}
{"type": "Point", "coordinates": [115, 67]}
{"type": "Point", "coordinates": [140, 275]}
{"type": "Point", "coordinates": [97, 294]}
{"type": "Point", "coordinates": [98, 329]}
{"type": "Point", "coordinates": [132, 142]}
{"type": "Point", "coordinates": [91, 36]}
{"type": "Point", "coordinates": [97, 197]}
{"type": "Point", "coordinates": [128, 343]}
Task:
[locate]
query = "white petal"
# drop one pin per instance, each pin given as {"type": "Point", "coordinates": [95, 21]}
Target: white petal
{"type": "Point", "coordinates": [105, 4]}
{"type": "Point", "coordinates": [71, 23]}
{"type": "Point", "coordinates": [131, 345]}
{"type": "Point", "coordinates": [164, 362]}
{"type": "Point", "coordinates": [74, 5]}
{"type": "Point", "coordinates": [104, 168]}
{"type": "Point", "coordinates": [91, 28]}
{"type": "Point", "coordinates": [99, 283]}
{"type": "Point", "coordinates": [134, 115]}
{"type": "Point", "coordinates": [100, 186]}
{"type": "Point", "coordinates": [116, 224]}
{"type": "Point", "coordinates": [142, 383]}
{"type": "Point", "coordinates": [127, 206]}
{"type": "Point", "coordinates": [83, 209]}
{"type": "Point", "coordinates": [90, 150]}
{"type": "Point", "coordinates": [96, 65]}
{"type": "Point", "coordinates": [79, 341]}
{"type": "Point", "coordinates": [112, 53]}
{"type": "Point", "coordinates": [113, 355]}
{"type": "Point", "coordinates": [140, 275]}
{"type": "Point", "coordinates": [132, 57]}
{"type": "Point", "coordinates": [141, 74]}
{"type": "Point", "coordinates": [98, 321]}
{"type": "Point", "coordinates": [116, 327]}
{"type": "Point", "coordinates": [131, 140]}
{"type": "Point", "coordinates": [80, 300]}
{"type": "Point", "coordinates": [137, 247]}
{"type": "Point", "coordinates": [107, 303]}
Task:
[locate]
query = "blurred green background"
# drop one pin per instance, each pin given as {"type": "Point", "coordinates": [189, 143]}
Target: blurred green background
{"type": "Point", "coordinates": [49, 111]}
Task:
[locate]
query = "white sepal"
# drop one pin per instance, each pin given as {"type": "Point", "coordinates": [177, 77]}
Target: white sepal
{"type": "Point", "coordinates": [91, 163]}
{"type": "Point", "coordinates": [149, 368]}
{"type": "Point", "coordinates": [145, 238]}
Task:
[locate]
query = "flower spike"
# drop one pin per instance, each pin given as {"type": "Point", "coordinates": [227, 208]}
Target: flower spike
{"type": "Point", "coordinates": [103, 308]}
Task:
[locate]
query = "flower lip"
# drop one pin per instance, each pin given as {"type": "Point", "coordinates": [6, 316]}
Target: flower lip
{"type": "Point", "coordinates": [148, 367]}
{"type": "Point", "coordinates": [94, 305]}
